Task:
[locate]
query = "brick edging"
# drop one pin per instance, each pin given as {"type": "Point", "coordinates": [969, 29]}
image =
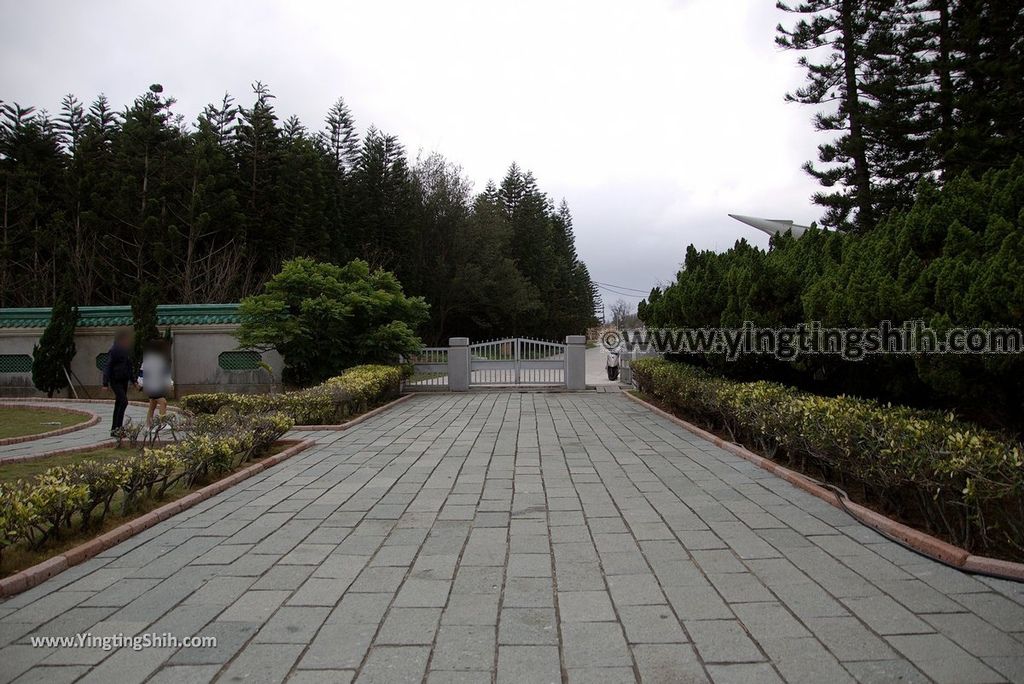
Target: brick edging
{"type": "Point", "coordinates": [355, 421]}
{"type": "Point", "coordinates": [6, 441]}
{"type": "Point", "coordinates": [105, 444]}
{"type": "Point", "coordinates": [919, 541]}
{"type": "Point", "coordinates": [37, 574]}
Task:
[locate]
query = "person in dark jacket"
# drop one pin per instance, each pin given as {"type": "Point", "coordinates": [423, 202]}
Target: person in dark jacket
{"type": "Point", "coordinates": [117, 373]}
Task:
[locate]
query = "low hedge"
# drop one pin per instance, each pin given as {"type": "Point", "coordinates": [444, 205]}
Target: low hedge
{"type": "Point", "coordinates": [354, 391]}
{"type": "Point", "coordinates": [965, 483]}
{"type": "Point", "coordinates": [37, 510]}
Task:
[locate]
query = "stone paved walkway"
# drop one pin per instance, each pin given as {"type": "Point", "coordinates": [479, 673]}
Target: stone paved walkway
{"type": "Point", "coordinates": [100, 432]}
{"type": "Point", "coordinates": [518, 538]}
{"type": "Point", "coordinates": [597, 373]}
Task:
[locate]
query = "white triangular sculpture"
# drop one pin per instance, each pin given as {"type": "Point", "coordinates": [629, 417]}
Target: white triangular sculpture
{"type": "Point", "coordinates": [771, 226]}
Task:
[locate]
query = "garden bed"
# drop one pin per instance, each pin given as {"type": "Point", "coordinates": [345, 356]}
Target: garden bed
{"type": "Point", "coordinates": [52, 504]}
{"type": "Point", "coordinates": [928, 470]}
{"type": "Point", "coordinates": [20, 557]}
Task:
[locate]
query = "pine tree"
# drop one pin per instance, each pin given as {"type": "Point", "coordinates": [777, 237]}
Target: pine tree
{"type": "Point", "coordinates": [206, 212]}
{"type": "Point", "coordinates": [380, 197]}
{"type": "Point", "coordinates": [31, 167]}
{"type": "Point", "coordinates": [51, 358]}
{"type": "Point", "coordinates": [71, 123]}
{"type": "Point", "coordinates": [258, 152]}
{"type": "Point", "coordinates": [988, 70]}
{"type": "Point", "coordinates": [146, 153]}
{"type": "Point", "coordinates": [340, 137]}
{"type": "Point", "coordinates": [896, 90]}
{"type": "Point", "coordinates": [841, 26]}
{"type": "Point", "coordinates": [208, 224]}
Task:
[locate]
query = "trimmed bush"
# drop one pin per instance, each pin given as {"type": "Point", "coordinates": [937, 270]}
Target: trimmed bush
{"type": "Point", "coordinates": [965, 483]}
{"type": "Point", "coordinates": [18, 515]}
{"type": "Point", "coordinates": [353, 392]}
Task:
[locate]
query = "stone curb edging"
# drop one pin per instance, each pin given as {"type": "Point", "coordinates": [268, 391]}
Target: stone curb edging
{"type": "Point", "coordinates": [355, 421]}
{"type": "Point", "coordinates": [37, 574]}
{"type": "Point", "coordinates": [92, 420]}
{"type": "Point", "coordinates": [71, 400]}
{"type": "Point", "coordinates": [922, 543]}
{"type": "Point", "coordinates": [105, 444]}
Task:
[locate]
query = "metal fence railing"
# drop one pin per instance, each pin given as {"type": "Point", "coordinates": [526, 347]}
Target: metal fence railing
{"type": "Point", "coordinates": [430, 369]}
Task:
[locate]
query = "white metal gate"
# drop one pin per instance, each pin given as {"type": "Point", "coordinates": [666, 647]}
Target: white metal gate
{"type": "Point", "coordinates": [430, 369]}
{"type": "Point", "coordinates": [517, 361]}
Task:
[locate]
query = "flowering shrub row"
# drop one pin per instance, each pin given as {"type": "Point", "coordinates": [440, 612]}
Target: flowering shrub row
{"type": "Point", "coordinates": [354, 391]}
{"type": "Point", "coordinates": [40, 509]}
{"type": "Point", "coordinates": [965, 483]}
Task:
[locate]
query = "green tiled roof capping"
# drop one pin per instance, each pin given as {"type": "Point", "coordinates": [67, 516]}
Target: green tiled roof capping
{"type": "Point", "coordinates": [15, 363]}
{"type": "Point", "coordinates": [114, 316]}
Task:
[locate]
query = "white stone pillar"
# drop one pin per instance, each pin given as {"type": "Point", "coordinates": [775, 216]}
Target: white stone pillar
{"type": "Point", "coordinates": [576, 362]}
{"type": "Point", "coordinates": [458, 364]}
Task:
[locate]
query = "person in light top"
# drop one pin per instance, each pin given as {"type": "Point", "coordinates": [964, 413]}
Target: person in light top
{"type": "Point", "coordinates": [155, 377]}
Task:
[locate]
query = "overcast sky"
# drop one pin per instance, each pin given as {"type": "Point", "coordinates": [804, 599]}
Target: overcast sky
{"type": "Point", "coordinates": [652, 118]}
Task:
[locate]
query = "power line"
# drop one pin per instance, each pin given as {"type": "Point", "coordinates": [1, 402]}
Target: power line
{"type": "Point", "coordinates": [623, 287]}
{"type": "Point", "coordinates": [621, 294]}
{"type": "Point", "coordinates": [616, 290]}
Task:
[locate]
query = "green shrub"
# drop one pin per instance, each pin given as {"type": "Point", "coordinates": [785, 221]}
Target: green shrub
{"type": "Point", "coordinates": [103, 483]}
{"type": "Point", "coordinates": [331, 402]}
{"type": "Point", "coordinates": [18, 516]}
{"type": "Point", "coordinates": [955, 259]}
{"type": "Point", "coordinates": [51, 358]}
{"type": "Point", "coordinates": [965, 482]}
{"type": "Point", "coordinates": [56, 498]}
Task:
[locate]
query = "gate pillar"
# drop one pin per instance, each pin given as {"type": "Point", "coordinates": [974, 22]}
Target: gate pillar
{"type": "Point", "coordinates": [458, 364]}
{"type": "Point", "coordinates": [576, 362]}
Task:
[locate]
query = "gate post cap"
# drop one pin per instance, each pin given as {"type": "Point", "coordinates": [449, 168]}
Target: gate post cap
{"type": "Point", "coordinates": [576, 339]}
{"type": "Point", "coordinates": [458, 341]}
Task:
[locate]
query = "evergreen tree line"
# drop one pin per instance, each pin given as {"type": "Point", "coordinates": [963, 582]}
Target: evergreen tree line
{"type": "Point", "coordinates": [99, 202]}
{"type": "Point", "coordinates": [909, 90]}
{"type": "Point", "coordinates": [955, 258]}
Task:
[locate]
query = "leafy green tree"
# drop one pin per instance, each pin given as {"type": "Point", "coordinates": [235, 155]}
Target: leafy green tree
{"type": "Point", "coordinates": [51, 358]}
{"type": "Point", "coordinates": [324, 318]}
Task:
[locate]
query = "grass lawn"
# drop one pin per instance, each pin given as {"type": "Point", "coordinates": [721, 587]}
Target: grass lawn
{"type": "Point", "coordinates": [21, 556]}
{"type": "Point", "coordinates": [29, 469]}
{"type": "Point", "coordinates": [18, 422]}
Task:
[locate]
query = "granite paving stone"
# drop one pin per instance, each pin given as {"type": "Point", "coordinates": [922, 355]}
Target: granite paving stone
{"type": "Point", "coordinates": [517, 537]}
